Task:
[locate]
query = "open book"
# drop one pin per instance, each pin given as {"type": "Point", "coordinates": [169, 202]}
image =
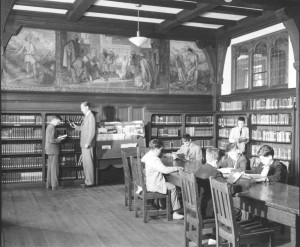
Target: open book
{"type": "Point", "coordinates": [61, 137]}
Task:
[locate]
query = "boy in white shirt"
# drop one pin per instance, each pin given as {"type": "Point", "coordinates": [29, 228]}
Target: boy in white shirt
{"type": "Point", "coordinates": [154, 170]}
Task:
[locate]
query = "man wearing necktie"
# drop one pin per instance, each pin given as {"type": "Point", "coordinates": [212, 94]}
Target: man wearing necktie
{"type": "Point", "coordinates": [188, 150]}
{"type": "Point", "coordinates": [87, 143]}
{"type": "Point", "coordinates": [240, 135]}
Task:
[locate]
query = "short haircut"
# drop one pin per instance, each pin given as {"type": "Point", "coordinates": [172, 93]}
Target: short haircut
{"type": "Point", "coordinates": [155, 143]}
{"type": "Point", "coordinates": [231, 147]}
{"type": "Point", "coordinates": [212, 154]}
{"type": "Point", "coordinates": [186, 137]}
{"type": "Point", "coordinates": [86, 104]}
{"type": "Point", "coordinates": [56, 117]}
{"type": "Point", "coordinates": [265, 151]}
{"type": "Point", "coordinates": [241, 119]}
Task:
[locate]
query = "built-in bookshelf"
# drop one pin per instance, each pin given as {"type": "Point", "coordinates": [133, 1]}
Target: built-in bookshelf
{"type": "Point", "coordinates": [70, 165]}
{"type": "Point", "coordinates": [233, 105]}
{"type": "Point", "coordinates": [22, 147]}
{"type": "Point", "coordinates": [170, 127]}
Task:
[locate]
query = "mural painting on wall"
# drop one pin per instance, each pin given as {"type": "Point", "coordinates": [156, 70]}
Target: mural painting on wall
{"type": "Point", "coordinates": [29, 60]}
{"type": "Point", "coordinates": [112, 63]}
{"type": "Point", "coordinates": [189, 71]}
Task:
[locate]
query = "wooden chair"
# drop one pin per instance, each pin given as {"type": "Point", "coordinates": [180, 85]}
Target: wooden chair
{"type": "Point", "coordinates": [141, 199]}
{"type": "Point", "coordinates": [128, 180]}
{"type": "Point", "coordinates": [226, 226]}
{"type": "Point", "coordinates": [194, 225]}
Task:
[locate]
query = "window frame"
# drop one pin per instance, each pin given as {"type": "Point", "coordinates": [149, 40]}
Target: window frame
{"type": "Point", "coordinates": [251, 45]}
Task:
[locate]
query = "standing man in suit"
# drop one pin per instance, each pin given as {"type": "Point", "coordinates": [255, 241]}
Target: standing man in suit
{"type": "Point", "coordinates": [52, 148]}
{"type": "Point", "coordinates": [188, 150]}
{"type": "Point", "coordinates": [87, 143]}
{"type": "Point", "coordinates": [240, 135]}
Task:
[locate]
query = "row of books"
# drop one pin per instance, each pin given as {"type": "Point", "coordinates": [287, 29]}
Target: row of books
{"type": "Point", "coordinates": [67, 161]}
{"type": "Point", "coordinates": [21, 133]}
{"type": "Point", "coordinates": [233, 106]}
{"type": "Point", "coordinates": [77, 119]}
{"type": "Point", "coordinates": [69, 132]}
{"type": "Point", "coordinates": [272, 136]}
{"type": "Point", "coordinates": [157, 119]}
{"type": "Point", "coordinates": [272, 103]}
{"type": "Point", "coordinates": [204, 143]}
{"type": "Point", "coordinates": [22, 162]}
{"type": "Point", "coordinates": [174, 144]}
{"type": "Point", "coordinates": [199, 120]}
{"type": "Point", "coordinates": [230, 121]}
{"type": "Point", "coordinates": [224, 133]}
{"type": "Point", "coordinates": [280, 151]}
{"type": "Point", "coordinates": [22, 148]}
{"type": "Point", "coordinates": [21, 177]}
{"type": "Point", "coordinates": [168, 132]}
{"type": "Point", "coordinates": [8, 119]}
{"type": "Point", "coordinates": [199, 131]}
{"type": "Point", "coordinates": [282, 119]}
{"type": "Point", "coordinates": [70, 147]}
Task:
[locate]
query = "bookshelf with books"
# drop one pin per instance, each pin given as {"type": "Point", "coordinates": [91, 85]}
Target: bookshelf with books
{"type": "Point", "coordinates": [201, 128]}
{"type": "Point", "coordinates": [70, 165]}
{"type": "Point", "coordinates": [168, 128]}
{"type": "Point", "coordinates": [22, 147]}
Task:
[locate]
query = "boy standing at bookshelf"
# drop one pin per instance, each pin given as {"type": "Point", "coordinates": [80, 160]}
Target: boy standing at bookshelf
{"type": "Point", "coordinates": [52, 148]}
{"type": "Point", "coordinates": [240, 135]}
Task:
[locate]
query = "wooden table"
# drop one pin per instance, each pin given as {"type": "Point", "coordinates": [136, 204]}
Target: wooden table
{"type": "Point", "coordinates": [274, 201]}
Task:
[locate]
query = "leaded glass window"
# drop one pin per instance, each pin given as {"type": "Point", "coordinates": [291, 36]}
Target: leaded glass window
{"type": "Point", "coordinates": [242, 69]}
{"type": "Point", "coordinates": [279, 62]}
{"type": "Point", "coordinates": [260, 65]}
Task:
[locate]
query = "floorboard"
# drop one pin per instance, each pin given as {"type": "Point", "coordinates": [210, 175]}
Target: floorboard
{"type": "Point", "coordinates": [35, 217]}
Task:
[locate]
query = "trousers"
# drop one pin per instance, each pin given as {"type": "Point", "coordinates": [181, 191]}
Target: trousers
{"type": "Point", "coordinates": [52, 171]}
{"type": "Point", "coordinates": [88, 165]}
{"type": "Point", "coordinates": [174, 198]}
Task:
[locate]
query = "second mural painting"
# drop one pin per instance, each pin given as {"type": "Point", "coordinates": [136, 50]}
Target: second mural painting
{"type": "Point", "coordinates": [67, 61]}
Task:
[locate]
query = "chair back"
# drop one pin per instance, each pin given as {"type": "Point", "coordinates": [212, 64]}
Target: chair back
{"type": "Point", "coordinates": [287, 165]}
{"type": "Point", "coordinates": [141, 151]}
{"type": "Point", "coordinates": [226, 226]}
{"type": "Point", "coordinates": [190, 195]}
{"type": "Point", "coordinates": [138, 172]}
{"type": "Point", "coordinates": [126, 166]}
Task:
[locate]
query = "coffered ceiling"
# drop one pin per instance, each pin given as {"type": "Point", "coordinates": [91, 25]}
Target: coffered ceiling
{"type": "Point", "coordinates": [204, 20]}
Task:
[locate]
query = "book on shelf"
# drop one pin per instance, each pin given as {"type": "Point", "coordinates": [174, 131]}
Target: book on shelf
{"type": "Point", "coordinates": [9, 119]}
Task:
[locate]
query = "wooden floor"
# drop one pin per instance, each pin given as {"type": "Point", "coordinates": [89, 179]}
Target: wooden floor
{"type": "Point", "coordinates": [35, 217]}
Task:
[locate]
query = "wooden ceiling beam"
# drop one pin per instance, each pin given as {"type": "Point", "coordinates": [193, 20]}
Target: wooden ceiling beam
{"type": "Point", "coordinates": [184, 16]}
{"type": "Point", "coordinates": [131, 12]}
{"type": "Point", "coordinates": [237, 11]}
{"type": "Point", "coordinates": [205, 20]}
{"type": "Point", "coordinates": [80, 7]}
{"type": "Point", "coordinates": [6, 7]}
{"type": "Point", "coordinates": [45, 4]}
{"type": "Point", "coordinates": [163, 3]}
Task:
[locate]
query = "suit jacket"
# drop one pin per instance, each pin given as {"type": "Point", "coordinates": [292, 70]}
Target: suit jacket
{"type": "Point", "coordinates": [193, 153]}
{"type": "Point", "coordinates": [87, 130]}
{"type": "Point", "coordinates": [202, 175]}
{"type": "Point", "coordinates": [277, 172]}
{"type": "Point", "coordinates": [154, 170]}
{"type": "Point", "coordinates": [241, 163]}
{"type": "Point", "coordinates": [52, 145]}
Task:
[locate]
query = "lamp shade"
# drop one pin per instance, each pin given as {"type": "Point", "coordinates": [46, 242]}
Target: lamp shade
{"type": "Point", "coordinates": [138, 40]}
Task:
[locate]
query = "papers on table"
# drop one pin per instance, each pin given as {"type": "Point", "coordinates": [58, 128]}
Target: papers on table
{"type": "Point", "coordinates": [252, 176]}
{"type": "Point", "coordinates": [226, 170]}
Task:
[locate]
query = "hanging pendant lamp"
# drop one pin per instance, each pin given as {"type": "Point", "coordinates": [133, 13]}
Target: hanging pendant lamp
{"type": "Point", "coordinates": [138, 40]}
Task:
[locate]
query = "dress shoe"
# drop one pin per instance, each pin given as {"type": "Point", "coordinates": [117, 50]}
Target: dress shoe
{"type": "Point", "coordinates": [86, 186]}
{"type": "Point", "coordinates": [56, 188]}
{"type": "Point", "coordinates": [177, 216]}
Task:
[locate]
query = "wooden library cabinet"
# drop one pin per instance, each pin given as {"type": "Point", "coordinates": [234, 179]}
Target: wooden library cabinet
{"type": "Point", "coordinates": [70, 164]}
{"type": "Point", "coordinates": [22, 147]}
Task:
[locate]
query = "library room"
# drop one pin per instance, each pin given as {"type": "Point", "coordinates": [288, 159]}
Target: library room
{"type": "Point", "coordinates": [133, 123]}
